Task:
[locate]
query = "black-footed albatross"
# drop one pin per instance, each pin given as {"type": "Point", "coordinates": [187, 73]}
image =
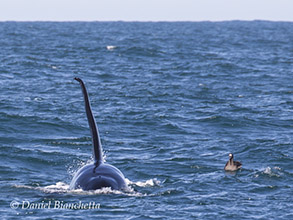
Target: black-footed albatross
{"type": "Point", "coordinates": [232, 165]}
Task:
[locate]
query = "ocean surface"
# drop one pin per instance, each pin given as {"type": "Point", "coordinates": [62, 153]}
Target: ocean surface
{"type": "Point", "coordinates": [171, 101]}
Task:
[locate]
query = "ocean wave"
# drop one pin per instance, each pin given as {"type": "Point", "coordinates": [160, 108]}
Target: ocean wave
{"type": "Point", "coordinates": [147, 183]}
{"type": "Point", "coordinates": [270, 172]}
{"type": "Point", "coordinates": [61, 187]}
{"type": "Point", "coordinates": [111, 47]}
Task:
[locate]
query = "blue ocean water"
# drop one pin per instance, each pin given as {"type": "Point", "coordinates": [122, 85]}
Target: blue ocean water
{"type": "Point", "coordinates": [171, 100]}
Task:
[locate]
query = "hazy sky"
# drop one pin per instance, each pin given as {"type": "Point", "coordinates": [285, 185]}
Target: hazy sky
{"type": "Point", "coordinates": [145, 10]}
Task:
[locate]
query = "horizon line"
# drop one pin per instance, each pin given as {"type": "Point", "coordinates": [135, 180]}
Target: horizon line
{"type": "Point", "coordinates": [149, 21]}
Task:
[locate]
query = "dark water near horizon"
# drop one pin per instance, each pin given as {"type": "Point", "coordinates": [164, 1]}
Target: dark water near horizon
{"type": "Point", "coordinates": [171, 101]}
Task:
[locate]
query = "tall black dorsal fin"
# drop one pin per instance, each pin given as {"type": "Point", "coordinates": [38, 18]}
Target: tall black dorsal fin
{"type": "Point", "coordinates": [98, 151]}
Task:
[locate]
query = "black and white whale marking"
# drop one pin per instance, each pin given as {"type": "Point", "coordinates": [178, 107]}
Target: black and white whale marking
{"type": "Point", "coordinates": [99, 174]}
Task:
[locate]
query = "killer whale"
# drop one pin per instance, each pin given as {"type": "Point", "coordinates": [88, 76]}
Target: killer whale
{"type": "Point", "coordinates": [98, 174]}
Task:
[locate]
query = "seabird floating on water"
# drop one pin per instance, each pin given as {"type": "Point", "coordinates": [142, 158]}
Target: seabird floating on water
{"type": "Point", "coordinates": [232, 165]}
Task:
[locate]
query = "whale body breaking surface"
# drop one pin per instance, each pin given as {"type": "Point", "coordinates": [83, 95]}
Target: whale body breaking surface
{"type": "Point", "coordinates": [98, 174]}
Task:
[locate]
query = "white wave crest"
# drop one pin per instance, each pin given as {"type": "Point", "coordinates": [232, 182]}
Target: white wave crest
{"type": "Point", "coordinates": [111, 47]}
{"type": "Point", "coordinates": [272, 171]}
{"type": "Point", "coordinates": [147, 183]}
{"type": "Point", "coordinates": [61, 187]}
